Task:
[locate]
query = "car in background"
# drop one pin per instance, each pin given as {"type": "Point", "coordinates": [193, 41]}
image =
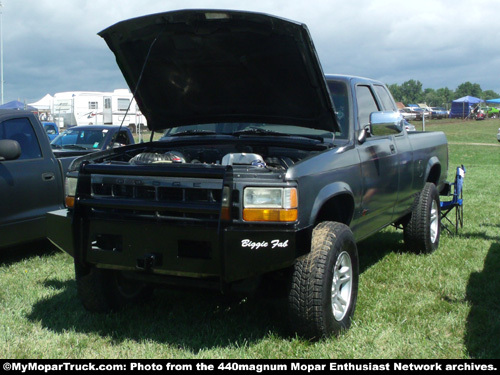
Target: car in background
{"type": "Point", "coordinates": [491, 112]}
{"type": "Point", "coordinates": [498, 135]}
{"type": "Point", "coordinates": [51, 129]}
{"type": "Point", "coordinates": [409, 127]}
{"type": "Point", "coordinates": [83, 139]}
{"type": "Point", "coordinates": [421, 113]}
{"type": "Point", "coordinates": [439, 112]}
{"type": "Point", "coordinates": [408, 113]}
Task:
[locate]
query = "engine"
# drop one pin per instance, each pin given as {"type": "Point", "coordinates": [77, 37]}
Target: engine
{"type": "Point", "coordinates": [270, 160]}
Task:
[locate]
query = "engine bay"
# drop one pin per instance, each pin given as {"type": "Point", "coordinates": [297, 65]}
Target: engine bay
{"type": "Point", "coordinates": [246, 156]}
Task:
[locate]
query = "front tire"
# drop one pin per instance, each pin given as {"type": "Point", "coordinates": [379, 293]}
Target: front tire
{"type": "Point", "coordinates": [324, 289]}
{"type": "Point", "coordinates": [102, 290]}
{"type": "Point", "coordinates": [422, 232]}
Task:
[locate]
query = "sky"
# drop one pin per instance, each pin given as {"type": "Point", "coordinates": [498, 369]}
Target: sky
{"type": "Point", "coordinates": [52, 46]}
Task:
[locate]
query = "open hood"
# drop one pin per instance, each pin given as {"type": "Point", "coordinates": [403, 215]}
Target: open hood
{"type": "Point", "coordinates": [207, 66]}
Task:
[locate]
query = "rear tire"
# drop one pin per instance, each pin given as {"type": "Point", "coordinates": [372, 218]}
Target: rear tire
{"type": "Point", "coordinates": [324, 288]}
{"type": "Point", "coordinates": [103, 290]}
{"type": "Point", "coordinates": [422, 232]}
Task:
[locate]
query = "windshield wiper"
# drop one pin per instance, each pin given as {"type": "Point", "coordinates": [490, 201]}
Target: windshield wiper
{"type": "Point", "coordinates": [259, 131]}
{"type": "Point", "coordinates": [53, 145]}
{"type": "Point", "coordinates": [192, 132]}
{"type": "Point", "coordinates": [74, 147]}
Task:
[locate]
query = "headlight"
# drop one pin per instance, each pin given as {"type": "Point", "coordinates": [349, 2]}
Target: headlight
{"type": "Point", "coordinates": [270, 204]}
{"type": "Point", "coordinates": [70, 191]}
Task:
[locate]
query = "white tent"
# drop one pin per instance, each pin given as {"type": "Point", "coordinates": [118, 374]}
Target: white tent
{"type": "Point", "coordinates": [44, 104]}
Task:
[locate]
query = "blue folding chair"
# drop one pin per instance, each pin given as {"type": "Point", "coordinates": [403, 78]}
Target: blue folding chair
{"type": "Point", "coordinates": [455, 190]}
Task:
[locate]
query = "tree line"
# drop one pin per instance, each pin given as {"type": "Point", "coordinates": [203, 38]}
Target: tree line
{"type": "Point", "coordinates": [411, 92]}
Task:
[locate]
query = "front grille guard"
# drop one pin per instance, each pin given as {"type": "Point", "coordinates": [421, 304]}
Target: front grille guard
{"type": "Point", "coordinates": [180, 207]}
{"type": "Point", "coordinates": [89, 205]}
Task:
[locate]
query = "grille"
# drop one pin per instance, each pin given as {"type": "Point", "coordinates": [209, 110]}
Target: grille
{"type": "Point", "coordinates": [156, 197]}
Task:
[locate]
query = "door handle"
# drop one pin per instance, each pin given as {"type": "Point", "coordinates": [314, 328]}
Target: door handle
{"type": "Point", "coordinates": [393, 149]}
{"type": "Point", "coordinates": [49, 176]}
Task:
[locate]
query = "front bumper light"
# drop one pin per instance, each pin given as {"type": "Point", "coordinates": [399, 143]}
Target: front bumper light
{"type": "Point", "coordinates": [270, 204]}
{"type": "Point", "coordinates": [70, 191]}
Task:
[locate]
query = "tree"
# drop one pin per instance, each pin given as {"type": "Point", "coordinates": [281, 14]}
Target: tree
{"type": "Point", "coordinates": [411, 91]}
{"type": "Point", "coordinates": [431, 98]}
{"type": "Point", "coordinates": [490, 94]}
{"type": "Point", "coordinates": [468, 89]}
{"type": "Point", "coordinates": [445, 95]}
{"type": "Point", "coordinates": [395, 91]}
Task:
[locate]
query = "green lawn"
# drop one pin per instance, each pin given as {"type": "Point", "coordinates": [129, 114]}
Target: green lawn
{"type": "Point", "coordinates": [442, 305]}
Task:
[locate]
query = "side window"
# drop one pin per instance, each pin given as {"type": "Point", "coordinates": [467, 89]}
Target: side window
{"type": "Point", "coordinates": [385, 98]}
{"type": "Point", "coordinates": [50, 129]}
{"type": "Point", "coordinates": [107, 103]}
{"type": "Point", "coordinates": [338, 93]}
{"type": "Point", "coordinates": [123, 104]}
{"type": "Point", "coordinates": [21, 130]}
{"type": "Point", "coordinates": [122, 138]}
{"type": "Point", "coordinates": [366, 104]}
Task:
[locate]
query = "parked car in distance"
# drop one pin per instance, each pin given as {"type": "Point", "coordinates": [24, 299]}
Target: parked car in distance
{"type": "Point", "coordinates": [51, 129]}
{"type": "Point", "coordinates": [409, 127]}
{"type": "Point", "coordinates": [421, 113]}
{"type": "Point", "coordinates": [438, 112]}
{"type": "Point", "coordinates": [80, 140]}
{"type": "Point", "coordinates": [490, 112]}
{"type": "Point", "coordinates": [498, 135]}
{"type": "Point", "coordinates": [408, 113]}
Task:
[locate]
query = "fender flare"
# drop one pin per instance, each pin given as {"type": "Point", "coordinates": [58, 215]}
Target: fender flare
{"type": "Point", "coordinates": [433, 161]}
{"type": "Point", "coordinates": [325, 194]}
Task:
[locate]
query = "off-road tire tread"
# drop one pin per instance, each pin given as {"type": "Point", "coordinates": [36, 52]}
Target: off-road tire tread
{"type": "Point", "coordinates": [416, 233]}
{"type": "Point", "coordinates": [307, 313]}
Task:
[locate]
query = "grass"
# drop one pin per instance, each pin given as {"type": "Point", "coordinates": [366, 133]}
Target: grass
{"type": "Point", "coordinates": [442, 305]}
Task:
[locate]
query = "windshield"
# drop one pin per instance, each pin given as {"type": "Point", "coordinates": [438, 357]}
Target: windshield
{"type": "Point", "coordinates": [247, 128]}
{"type": "Point", "coordinates": [84, 139]}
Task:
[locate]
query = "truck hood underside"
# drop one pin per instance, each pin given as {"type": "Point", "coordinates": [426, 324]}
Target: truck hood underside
{"type": "Point", "coordinates": [199, 66]}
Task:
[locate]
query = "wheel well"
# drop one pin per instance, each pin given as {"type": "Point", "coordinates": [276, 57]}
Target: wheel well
{"type": "Point", "coordinates": [339, 208]}
{"type": "Point", "coordinates": [434, 174]}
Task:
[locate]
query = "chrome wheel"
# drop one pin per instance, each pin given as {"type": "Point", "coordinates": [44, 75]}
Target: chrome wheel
{"type": "Point", "coordinates": [341, 286]}
{"type": "Point", "coordinates": [434, 221]}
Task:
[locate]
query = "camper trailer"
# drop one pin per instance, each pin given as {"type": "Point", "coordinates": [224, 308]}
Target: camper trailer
{"type": "Point", "coordinates": [102, 108]}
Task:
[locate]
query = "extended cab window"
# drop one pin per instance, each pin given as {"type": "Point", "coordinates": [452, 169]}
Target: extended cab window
{"type": "Point", "coordinates": [338, 93]}
{"type": "Point", "coordinates": [385, 98]}
{"type": "Point", "coordinates": [20, 130]}
{"type": "Point", "coordinates": [366, 104]}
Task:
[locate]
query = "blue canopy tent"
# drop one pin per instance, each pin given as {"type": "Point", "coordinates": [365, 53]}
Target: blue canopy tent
{"type": "Point", "coordinates": [462, 107]}
{"type": "Point", "coordinates": [493, 101]}
{"type": "Point", "coordinates": [16, 104]}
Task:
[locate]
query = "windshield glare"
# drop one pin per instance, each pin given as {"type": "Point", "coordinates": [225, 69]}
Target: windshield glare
{"type": "Point", "coordinates": [230, 128]}
{"type": "Point", "coordinates": [88, 139]}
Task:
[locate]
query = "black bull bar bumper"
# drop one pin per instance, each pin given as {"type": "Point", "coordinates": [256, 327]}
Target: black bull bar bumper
{"type": "Point", "coordinates": [164, 237]}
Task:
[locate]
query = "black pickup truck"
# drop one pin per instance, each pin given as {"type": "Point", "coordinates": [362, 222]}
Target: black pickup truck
{"type": "Point", "coordinates": [31, 178]}
{"type": "Point", "coordinates": [267, 168]}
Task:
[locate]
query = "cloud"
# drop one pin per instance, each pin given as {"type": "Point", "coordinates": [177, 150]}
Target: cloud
{"type": "Point", "coordinates": [52, 45]}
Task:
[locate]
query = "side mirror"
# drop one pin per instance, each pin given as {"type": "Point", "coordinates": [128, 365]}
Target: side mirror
{"type": "Point", "coordinates": [9, 149]}
{"type": "Point", "coordinates": [386, 123]}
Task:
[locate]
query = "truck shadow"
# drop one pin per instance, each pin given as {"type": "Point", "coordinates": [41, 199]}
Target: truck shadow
{"type": "Point", "coordinates": [376, 247]}
{"type": "Point", "coordinates": [193, 320]}
{"type": "Point", "coordinates": [15, 254]}
{"type": "Point", "coordinates": [483, 321]}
